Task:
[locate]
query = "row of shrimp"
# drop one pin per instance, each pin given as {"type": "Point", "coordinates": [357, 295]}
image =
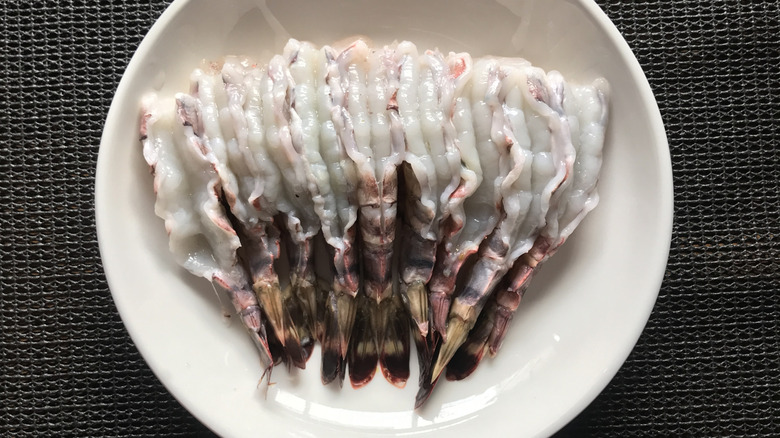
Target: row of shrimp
{"type": "Point", "coordinates": [363, 197]}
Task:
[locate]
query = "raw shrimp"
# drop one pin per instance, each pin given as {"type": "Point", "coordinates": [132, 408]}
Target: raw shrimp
{"type": "Point", "coordinates": [373, 138]}
{"type": "Point", "coordinates": [202, 104]}
{"type": "Point", "coordinates": [479, 192]}
{"type": "Point", "coordinates": [275, 87]}
{"type": "Point", "coordinates": [340, 309]}
{"type": "Point", "coordinates": [240, 114]}
{"type": "Point", "coordinates": [541, 156]}
{"type": "Point", "coordinates": [473, 118]}
{"type": "Point", "coordinates": [421, 191]}
{"type": "Point", "coordinates": [587, 109]}
{"type": "Point", "coordinates": [201, 238]}
{"type": "Point", "coordinates": [307, 70]}
{"type": "Point", "coordinates": [430, 187]}
{"type": "Point", "coordinates": [435, 106]}
{"type": "Point", "coordinates": [389, 150]}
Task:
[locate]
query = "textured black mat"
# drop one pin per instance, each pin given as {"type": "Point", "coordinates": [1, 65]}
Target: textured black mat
{"type": "Point", "coordinates": [708, 363]}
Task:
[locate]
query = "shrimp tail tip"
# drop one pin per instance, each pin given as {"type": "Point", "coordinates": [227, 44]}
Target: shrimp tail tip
{"type": "Point", "coordinates": [417, 297]}
{"type": "Point", "coordinates": [457, 330]}
{"type": "Point", "coordinates": [331, 364]}
{"type": "Point", "coordinates": [331, 344]}
{"type": "Point", "coordinates": [363, 356]}
{"type": "Point", "coordinates": [270, 296]}
{"type": "Point", "coordinates": [394, 362]}
{"type": "Point", "coordinates": [424, 393]}
{"type": "Point", "coordinates": [469, 355]}
{"type": "Point", "coordinates": [392, 338]}
{"type": "Point", "coordinates": [298, 338]}
{"type": "Point", "coordinates": [466, 360]}
{"type": "Point", "coordinates": [296, 351]}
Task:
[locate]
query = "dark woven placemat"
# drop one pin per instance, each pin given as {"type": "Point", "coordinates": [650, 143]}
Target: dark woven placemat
{"type": "Point", "coordinates": [708, 363]}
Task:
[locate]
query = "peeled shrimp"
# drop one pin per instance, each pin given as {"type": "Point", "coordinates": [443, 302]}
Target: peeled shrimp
{"type": "Point", "coordinates": [586, 108]}
{"type": "Point", "coordinates": [201, 237]}
{"type": "Point", "coordinates": [535, 184]}
{"type": "Point", "coordinates": [414, 194]}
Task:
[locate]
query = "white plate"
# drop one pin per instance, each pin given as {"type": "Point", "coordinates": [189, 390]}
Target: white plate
{"type": "Point", "coordinates": [579, 321]}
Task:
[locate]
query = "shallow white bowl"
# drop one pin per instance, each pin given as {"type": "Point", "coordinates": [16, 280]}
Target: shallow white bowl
{"type": "Point", "coordinates": [579, 321]}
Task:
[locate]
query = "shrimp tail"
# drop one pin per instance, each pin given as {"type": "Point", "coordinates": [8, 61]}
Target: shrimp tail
{"type": "Point", "coordinates": [441, 287]}
{"type": "Point", "coordinates": [468, 356]}
{"type": "Point", "coordinates": [299, 341]}
{"type": "Point", "coordinates": [393, 341]}
{"type": "Point", "coordinates": [253, 320]}
{"type": "Point", "coordinates": [363, 356]}
{"type": "Point", "coordinates": [518, 278]}
{"type": "Point", "coordinates": [426, 350]}
{"type": "Point", "coordinates": [303, 281]}
{"type": "Point", "coordinates": [467, 307]}
{"type": "Point", "coordinates": [269, 294]}
{"type": "Point", "coordinates": [332, 360]}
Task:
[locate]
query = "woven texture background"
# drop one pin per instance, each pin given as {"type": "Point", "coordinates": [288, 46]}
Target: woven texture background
{"type": "Point", "coordinates": [708, 363]}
